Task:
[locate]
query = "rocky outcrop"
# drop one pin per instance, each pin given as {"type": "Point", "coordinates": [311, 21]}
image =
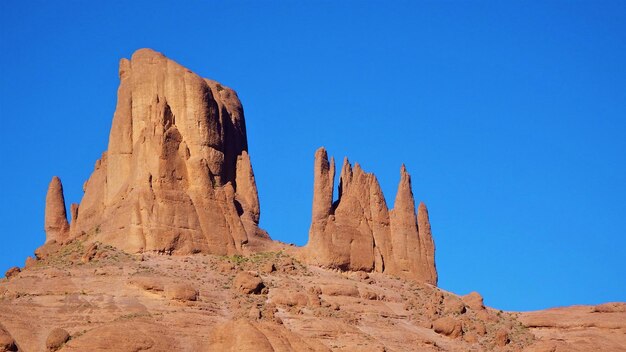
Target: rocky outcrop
{"type": "Point", "coordinates": [13, 271]}
{"type": "Point", "coordinates": [359, 232]}
{"type": "Point", "coordinates": [56, 339]}
{"type": "Point", "coordinates": [448, 326]}
{"type": "Point", "coordinates": [181, 292]}
{"type": "Point", "coordinates": [474, 301]}
{"type": "Point", "coordinates": [55, 224]}
{"type": "Point", "coordinates": [176, 177]}
{"type": "Point", "coordinates": [248, 282]}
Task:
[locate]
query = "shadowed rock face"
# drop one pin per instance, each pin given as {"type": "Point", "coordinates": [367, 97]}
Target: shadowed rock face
{"type": "Point", "coordinates": [359, 232]}
{"type": "Point", "coordinates": [176, 177]}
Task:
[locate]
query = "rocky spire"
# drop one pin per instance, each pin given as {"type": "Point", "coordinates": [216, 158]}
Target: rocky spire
{"type": "Point", "coordinates": [176, 177]}
{"type": "Point", "coordinates": [323, 184]}
{"type": "Point", "coordinates": [358, 232]}
{"type": "Point", "coordinates": [55, 224]}
{"type": "Point", "coordinates": [404, 234]}
{"type": "Point", "coordinates": [413, 249]}
{"type": "Point", "coordinates": [427, 269]}
{"type": "Point", "coordinates": [247, 196]}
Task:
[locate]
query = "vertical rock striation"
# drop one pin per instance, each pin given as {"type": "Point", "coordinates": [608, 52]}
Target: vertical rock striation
{"type": "Point", "coordinates": [176, 177]}
{"type": "Point", "coordinates": [359, 232]}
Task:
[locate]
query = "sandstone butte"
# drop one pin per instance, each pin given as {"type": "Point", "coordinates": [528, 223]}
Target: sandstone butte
{"type": "Point", "coordinates": [165, 253]}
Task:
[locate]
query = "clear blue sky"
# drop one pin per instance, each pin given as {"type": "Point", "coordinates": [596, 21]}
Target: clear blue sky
{"type": "Point", "coordinates": [510, 116]}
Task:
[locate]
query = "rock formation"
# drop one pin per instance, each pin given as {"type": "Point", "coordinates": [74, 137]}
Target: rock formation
{"type": "Point", "coordinates": [359, 232]}
{"type": "Point", "coordinates": [55, 224]}
{"type": "Point", "coordinates": [176, 177]}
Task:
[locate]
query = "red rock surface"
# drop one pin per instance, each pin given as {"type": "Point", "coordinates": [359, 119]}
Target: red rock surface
{"type": "Point", "coordinates": [176, 177]}
{"type": "Point", "coordinates": [125, 302]}
{"type": "Point", "coordinates": [56, 225]}
{"type": "Point", "coordinates": [359, 232]}
{"type": "Point", "coordinates": [151, 302]}
{"type": "Point", "coordinates": [578, 328]}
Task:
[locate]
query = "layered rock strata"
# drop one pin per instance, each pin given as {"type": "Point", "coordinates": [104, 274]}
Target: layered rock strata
{"type": "Point", "coordinates": [359, 232]}
{"type": "Point", "coordinates": [176, 177]}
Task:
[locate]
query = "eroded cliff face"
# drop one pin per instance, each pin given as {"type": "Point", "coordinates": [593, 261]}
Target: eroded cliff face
{"type": "Point", "coordinates": [359, 232]}
{"type": "Point", "coordinates": [176, 177]}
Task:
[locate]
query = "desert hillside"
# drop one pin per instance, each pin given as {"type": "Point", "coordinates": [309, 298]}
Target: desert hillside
{"type": "Point", "coordinates": [104, 299]}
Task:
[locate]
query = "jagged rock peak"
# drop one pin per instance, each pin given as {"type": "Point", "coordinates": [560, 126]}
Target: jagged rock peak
{"type": "Point", "coordinates": [359, 232]}
{"type": "Point", "coordinates": [176, 177]}
{"type": "Point", "coordinates": [55, 224]}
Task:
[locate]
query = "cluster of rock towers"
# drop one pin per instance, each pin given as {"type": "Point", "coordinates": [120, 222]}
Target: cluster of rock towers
{"type": "Point", "coordinates": [177, 179]}
{"type": "Point", "coordinates": [359, 232]}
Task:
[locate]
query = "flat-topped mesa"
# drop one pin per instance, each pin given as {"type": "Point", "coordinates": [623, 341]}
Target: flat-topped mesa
{"type": "Point", "coordinates": [176, 177]}
{"type": "Point", "coordinates": [359, 232]}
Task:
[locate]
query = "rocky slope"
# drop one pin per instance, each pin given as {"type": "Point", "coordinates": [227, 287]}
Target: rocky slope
{"type": "Point", "coordinates": [165, 253]}
{"type": "Point", "coordinates": [108, 300]}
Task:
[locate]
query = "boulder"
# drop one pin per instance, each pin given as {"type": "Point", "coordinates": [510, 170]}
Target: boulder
{"type": "Point", "coordinates": [56, 338]}
{"type": "Point", "coordinates": [448, 326]}
{"type": "Point", "coordinates": [340, 290]}
{"type": "Point", "coordinates": [287, 297]}
{"type": "Point", "coordinates": [453, 305]}
{"type": "Point", "coordinates": [248, 282]}
{"type": "Point", "coordinates": [474, 301]}
{"type": "Point", "coordinates": [181, 292]}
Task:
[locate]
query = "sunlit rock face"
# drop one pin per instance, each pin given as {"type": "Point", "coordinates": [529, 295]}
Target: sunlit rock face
{"type": "Point", "coordinates": [176, 177]}
{"type": "Point", "coordinates": [55, 224]}
{"type": "Point", "coordinates": [359, 232]}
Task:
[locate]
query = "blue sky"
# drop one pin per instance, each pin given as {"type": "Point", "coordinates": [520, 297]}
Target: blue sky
{"type": "Point", "coordinates": [510, 116]}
